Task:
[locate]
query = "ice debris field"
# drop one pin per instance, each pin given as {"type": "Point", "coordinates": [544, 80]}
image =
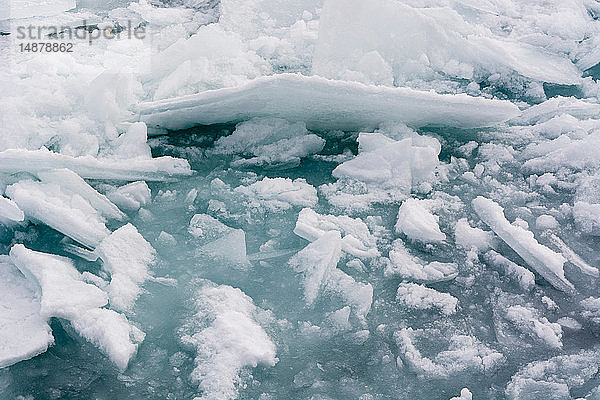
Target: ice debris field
{"type": "Point", "coordinates": [301, 199]}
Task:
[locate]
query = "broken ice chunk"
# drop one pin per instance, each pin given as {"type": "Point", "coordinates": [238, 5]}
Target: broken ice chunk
{"type": "Point", "coordinates": [464, 354]}
{"type": "Point", "coordinates": [63, 291]}
{"type": "Point", "coordinates": [316, 261]}
{"type": "Point", "coordinates": [65, 211]}
{"type": "Point", "coordinates": [465, 394]}
{"type": "Point", "coordinates": [64, 294]}
{"type": "Point", "coordinates": [219, 241]}
{"type": "Point", "coordinates": [419, 297]}
{"type": "Point", "coordinates": [111, 332]}
{"type": "Point", "coordinates": [24, 333]}
{"type": "Point", "coordinates": [9, 210]}
{"type": "Point", "coordinates": [573, 257]}
{"type": "Point", "coordinates": [132, 144]}
{"type": "Point", "coordinates": [591, 309]}
{"type": "Point", "coordinates": [407, 266]}
{"type": "Point", "coordinates": [587, 217]}
{"type": "Point", "coordinates": [543, 260]}
{"type": "Point", "coordinates": [277, 194]}
{"type": "Point", "coordinates": [153, 169]}
{"type": "Point", "coordinates": [524, 277]}
{"type": "Point", "coordinates": [557, 106]}
{"type": "Point", "coordinates": [131, 196]}
{"type": "Point", "coordinates": [469, 238]}
{"type": "Point", "coordinates": [527, 320]}
{"type": "Point", "coordinates": [228, 338]}
{"type": "Point", "coordinates": [325, 105]}
{"type": "Point", "coordinates": [385, 170]}
{"type": "Point", "coordinates": [554, 379]}
{"type": "Point", "coordinates": [357, 294]}
{"type": "Point", "coordinates": [126, 256]}
{"type": "Point", "coordinates": [418, 223]}
{"type": "Point", "coordinates": [72, 182]}
{"type": "Point", "coordinates": [427, 40]}
{"type": "Point", "coordinates": [270, 141]}
{"type": "Point", "coordinates": [357, 240]}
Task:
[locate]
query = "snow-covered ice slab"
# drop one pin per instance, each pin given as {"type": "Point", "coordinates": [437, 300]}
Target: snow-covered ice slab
{"type": "Point", "coordinates": [60, 209]}
{"type": "Point", "coordinates": [407, 266]}
{"type": "Point", "coordinates": [9, 210]}
{"type": "Point", "coordinates": [324, 104]}
{"type": "Point", "coordinates": [357, 240]}
{"type": "Point", "coordinates": [126, 256]}
{"type": "Point", "coordinates": [36, 8]}
{"type": "Point", "coordinates": [544, 261]}
{"type": "Point", "coordinates": [64, 294]}
{"type": "Point", "coordinates": [68, 179]}
{"type": "Point", "coordinates": [152, 169]}
{"type": "Point", "coordinates": [419, 297]}
{"type": "Point", "coordinates": [228, 338]}
{"type": "Point", "coordinates": [464, 354]}
{"type": "Point", "coordinates": [219, 241]}
{"type": "Point", "coordinates": [24, 333]}
{"type": "Point", "coordinates": [316, 261]}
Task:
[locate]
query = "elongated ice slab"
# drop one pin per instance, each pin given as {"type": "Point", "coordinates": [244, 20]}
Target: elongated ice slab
{"type": "Point", "coordinates": [324, 104]}
{"type": "Point", "coordinates": [153, 169]}
{"type": "Point", "coordinates": [69, 180]}
{"type": "Point", "coordinates": [65, 211]}
{"type": "Point", "coordinates": [543, 260]}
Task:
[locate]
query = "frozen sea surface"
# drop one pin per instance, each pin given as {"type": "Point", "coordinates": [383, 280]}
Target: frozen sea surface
{"type": "Point", "coordinates": [303, 200]}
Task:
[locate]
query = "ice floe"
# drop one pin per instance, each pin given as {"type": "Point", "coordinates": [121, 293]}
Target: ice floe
{"type": "Point", "coordinates": [385, 169]}
{"type": "Point", "coordinates": [24, 332]}
{"type": "Point", "coordinates": [9, 210]}
{"type": "Point", "coordinates": [61, 209]}
{"type": "Point", "coordinates": [324, 104]}
{"type": "Point", "coordinates": [464, 354]}
{"type": "Point", "coordinates": [34, 161]}
{"type": "Point", "coordinates": [527, 320]}
{"type": "Point", "coordinates": [219, 241]}
{"type": "Point", "coordinates": [316, 261]}
{"type": "Point", "coordinates": [64, 294]}
{"type": "Point", "coordinates": [126, 256]}
{"type": "Point", "coordinates": [131, 197]}
{"type": "Point", "coordinates": [269, 142]}
{"type": "Point", "coordinates": [419, 297]}
{"type": "Point", "coordinates": [418, 223]}
{"type": "Point", "coordinates": [357, 239]}
{"type": "Point", "coordinates": [228, 338]}
{"type": "Point", "coordinates": [278, 194]}
{"type": "Point", "coordinates": [555, 378]}
{"type": "Point", "coordinates": [68, 180]}
{"type": "Point", "coordinates": [407, 266]}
